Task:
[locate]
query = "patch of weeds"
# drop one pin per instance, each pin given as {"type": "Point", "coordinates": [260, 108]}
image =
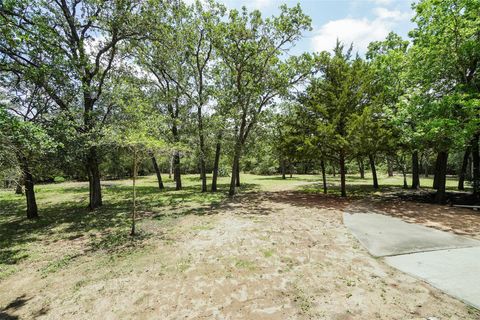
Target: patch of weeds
{"type": "Point", "coordinates": [290, 263]}
{"type": "Point", "coordinates": [12, 256]}
{"type": "Point", "coordinates": [168, 240]}
{"type": "Point", "coordinates": [348, 282]}
{"type": "Point", "coordinates": [268, 253]}
{"type": "Point", "coordinates": [7, 270]}
{"type": "Point", "coordinates": [203, 227]}
{"type": "Point", "coordinates": [121, 262]}
{"type": "Point", "coordinates": [117, 241]}
{"type": "Point", "coordinates": [79, 284]}
{"type": "Point", "coordinates": [8, 259]}
{"type": "Point", "coordinates": [57, 265]}
{"type": "Point", "coordinates": [303, 300]}
{"type": "Point", "coordinates": [244, 264]}
{"type": "Point", "coordinates": [184, 263]}
{"type": "Point", "coordinates": [228, 274]}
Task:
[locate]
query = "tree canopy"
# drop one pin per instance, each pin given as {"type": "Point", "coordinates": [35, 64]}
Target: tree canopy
{"type": "Point", "coordinates": [197, 87]}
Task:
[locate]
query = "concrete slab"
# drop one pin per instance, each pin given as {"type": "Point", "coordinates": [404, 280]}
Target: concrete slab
{"type": "Point", "coordinates": [456, 272]}
{"type": "Point", "coordinates": [386, 236]}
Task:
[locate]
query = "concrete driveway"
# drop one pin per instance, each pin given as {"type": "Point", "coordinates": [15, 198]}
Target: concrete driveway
{"type": "Point", "coordinates": [447, 261]}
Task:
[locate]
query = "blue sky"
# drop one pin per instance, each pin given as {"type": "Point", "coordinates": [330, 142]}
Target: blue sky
{"type": "Point", "coordinates": [357, 21]}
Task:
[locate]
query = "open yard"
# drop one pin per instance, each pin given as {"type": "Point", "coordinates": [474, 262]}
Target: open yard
{"type": "Point", "coordinates": [372, 106]}
{"type": "Point", "coordinates": [278, 250]}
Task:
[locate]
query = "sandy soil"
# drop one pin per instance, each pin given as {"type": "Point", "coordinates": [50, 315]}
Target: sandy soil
{"type": "Point", "coordinates": [281, 255]}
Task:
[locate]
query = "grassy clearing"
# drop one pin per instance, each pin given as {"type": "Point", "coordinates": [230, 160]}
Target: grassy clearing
{"type": "Point", "coordinates": [66, 222]}
{"type": "Point", "coordinates": [73, 260]}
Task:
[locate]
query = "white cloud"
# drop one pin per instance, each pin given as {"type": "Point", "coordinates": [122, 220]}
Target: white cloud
{"type": "Point", "coordinates": [259, 4]}
{"type": "Point", "coordinates": [360, 32]}
{"type": "Point", "coordinates": [382, 2]}
{"type": "Point", "coordinates": [396, 15]}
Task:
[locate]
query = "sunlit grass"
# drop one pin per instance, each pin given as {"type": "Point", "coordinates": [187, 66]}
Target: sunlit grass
{"type": "Point", "coordinates": [64, 216]}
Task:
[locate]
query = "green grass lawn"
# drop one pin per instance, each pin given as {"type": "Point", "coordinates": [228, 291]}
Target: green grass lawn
{"type": "Point", "coordinates": [64, 216]}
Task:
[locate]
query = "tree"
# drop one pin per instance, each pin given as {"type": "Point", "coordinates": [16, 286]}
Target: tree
{"type": "Point", "coordinates": [135, 129]}
{"type": "Point", "coordinates": [446, 54]}
{"type": "Point", "coordinates": [157, 171]}
{"type": "Point", "coordinates": [204, 20]}
{"type": "Point", "coordinates": [369, 135]}
{"type": "Point", "coordinates": [340, 92]}
{"type": "Point", "coordinates": [23, 138]}
{"type": "Point", "coordinates": [390, 63]}
{"type": "Point", "coordinates": [250, 49]}
{"type": "Point", "coordinates": [164, 56]}
{"type": "Point", "coordinates": [69, 49]}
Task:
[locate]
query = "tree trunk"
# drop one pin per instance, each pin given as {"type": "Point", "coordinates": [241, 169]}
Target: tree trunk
{"type": "Point", "coordinates": [476, 166]}
{"type": "Point", "coordinates": [441, 176]}
{"type": "Point", "coordinates": [32, 209]}
{"type": "Point", "coordinates": [324, 177]}
{"type": "Point", "coordinates": [216, 163]}
{"type": "Point", "coordinates": [415, 171]}
{"type": "Point", "coordinates": [95, 190]}
{"type": "Point", "coordinates": [361, 168]}
{"type": "Point", "coordinates": [159, 174]}
{"type": "Point", "coordinates": [170, 172]}
{"type": "Point", "coordinates": [134, 205]}
{"type": "Point", "coordinates": [203, 173]}
{"type": "Point", "coordinates": [18, 188]}
{"type": "Point", "coordinates": [420, 166]}
{"type": "Point", "coordinates": [290, 168]}
{"type": "Point", "coordinates": [237, 172]}
{"type": "Point", "coordinates": [463, 169]}
{"type": "Point", "coordinates": [404, 173]}
{"type": "Point", "coordinates": [374, 171]}
{"type": "Point", "coordinates": [283, 169]}
{"type": "Point", "coordinates": [342, 173]}
{"type": "Point", "coordinates": [469, 174]}
{"type": "Point", "coordinates": [436, 173]}
{"type": "Point", "coordinates": [176, 171]}
{"type": "Point", "coordinates": [236, 157]}
{"type": "Point", "coordinates": [389, 167]}
{"type": "Point", "coordinates": [333, 171]}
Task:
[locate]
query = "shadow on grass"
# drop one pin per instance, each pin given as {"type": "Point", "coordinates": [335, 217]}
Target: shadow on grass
{"type": "Point", "coordinates": [354, 191]}
{"type": "Point", "coordinates": [393, 190]}
{"type": "Point", "coordinates": [16, 304]}
{"type": "Point", "coordinates": [69, 218]}
{"type": "Point", "coordinates": [279, 178]}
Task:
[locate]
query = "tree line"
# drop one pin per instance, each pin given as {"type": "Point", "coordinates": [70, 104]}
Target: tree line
{"type": "Point", "coordinates": [90, 87]}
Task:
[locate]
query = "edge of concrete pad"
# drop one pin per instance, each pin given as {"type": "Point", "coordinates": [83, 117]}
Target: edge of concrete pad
{"type": "Point", "coordinates": [471, 304]}
{"type": "Point", "coordinates": [382, 252]}
{"type": "Point", "coordinates": [394, 257]}
{"type": "Point", "coordinates": [448, 291]}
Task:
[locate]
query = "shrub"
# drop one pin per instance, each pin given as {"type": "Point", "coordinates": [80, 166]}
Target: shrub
{"type": "Point", "coordinates": [59, 179]}
{"type": "Point", "coordinates": [223, 172]}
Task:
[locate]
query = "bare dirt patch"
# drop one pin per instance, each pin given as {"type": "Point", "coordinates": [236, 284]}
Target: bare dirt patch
{"type": "Point", "coordinates": [282, 255]}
